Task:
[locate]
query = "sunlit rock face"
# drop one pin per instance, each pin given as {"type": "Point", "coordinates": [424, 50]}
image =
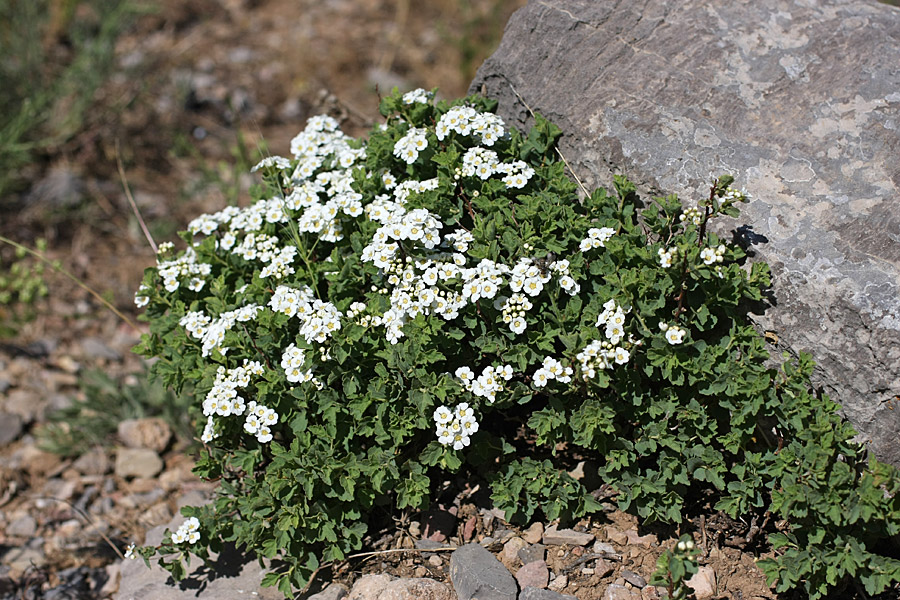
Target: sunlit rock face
{"type": "Point", "coordinates": [799, 100]}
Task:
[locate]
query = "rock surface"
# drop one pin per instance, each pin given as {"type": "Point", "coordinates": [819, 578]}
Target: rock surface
{"type": "Point", "coordinates": [476, 573]}
{"type": "Point", "coordinates": [801, 101]}
{"type": "Point", "coordinates": [232, 577]}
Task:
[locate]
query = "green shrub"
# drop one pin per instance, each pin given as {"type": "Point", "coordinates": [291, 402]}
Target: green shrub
{"type": "Point", "coordinates": [395, 309]}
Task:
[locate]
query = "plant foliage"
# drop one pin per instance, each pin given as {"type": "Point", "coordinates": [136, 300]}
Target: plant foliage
{"type": "Point", "coordinates": [439, 298]}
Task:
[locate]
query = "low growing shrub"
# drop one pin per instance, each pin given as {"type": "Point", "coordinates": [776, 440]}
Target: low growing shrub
{"type": "Point", "coordinates": [437, 298]}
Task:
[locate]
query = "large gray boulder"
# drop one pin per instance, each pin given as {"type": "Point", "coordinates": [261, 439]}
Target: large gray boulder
{"type": "Point", "coordinates": [799, 100]}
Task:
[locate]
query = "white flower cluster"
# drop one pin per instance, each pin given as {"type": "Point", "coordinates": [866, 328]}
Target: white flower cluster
{"type": "Point", "coordinates": [596, 238]}
{"type": "Point", "coordinates": [454, 427]}
{"type": "Point", "coordinates": [692, 214]}
{"type": "Point", "coordinates": [739, 195]}
{"type": "Point", "coordinates": [605, 354]}
{"type": "Point", "coordinates": [291, 361]}
{"type": "Point", "coordinates": [185, 267]}
{"type": "Point", "coordinates": [259, 422]}
{"type": "Point", "coordinates": [278, 162]}
{"type": "Point", "coordinates": [408, 147]}
{"type": "Point", "coordinates": [551, 369]}
{"type": "Point", "coordinates": [318, 320]}
{"type": "Point", "coordinates": [566, 281]}
{"type": "Point", "coordinates": [417, 96]}
{"type": "Point", "coordinates": [189, 532]}
{"type": "Point", "coordinates": [482, 163]}
{"type": "Point", "coordinates": [712, 255]}
{"type": "Point", "coordinates": [465, 120]}
{"type": "Point", "coordinates": [265, 249]}
{"type": "Point", "coordinates": [528, 277]}
{"type": "Point", "coordinates": [666, 256]}
{"type": "Point", "coordinates": [141, 299]}
{"type": "Point", "coordinates": [512, 311]}
{"type": "Point", "coordinates": [674, 333]}
{"type": "Point", "coordinates": [488, 383]}
{"type": "Point", "coordinates": [211, 332]}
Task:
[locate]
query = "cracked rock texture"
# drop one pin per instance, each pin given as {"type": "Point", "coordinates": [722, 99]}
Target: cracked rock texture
{"type": "Point", "coordinates": [799, 100]}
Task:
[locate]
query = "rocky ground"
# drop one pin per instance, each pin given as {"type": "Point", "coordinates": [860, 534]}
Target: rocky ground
{"type": "Point", "coordinates": [199, 87]}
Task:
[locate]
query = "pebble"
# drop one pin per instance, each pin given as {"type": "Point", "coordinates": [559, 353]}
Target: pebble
{"type": "Point", "coordinates": [532, 553]}
{"type": "Point", "coordinates": [153, 433]}
{"type": "Point", "coordinates": [531, 593]}
{"type": "Point", "coordinates": [620, 592]}
{"type": "Point", "coordinates": [616, 535]}
{"type": "Point", "coordinates": [11, 427]}
{"type": "Point", "coordinates": [534, 574]}
{"type": "Point", "coordinates": [510, 553]}
{"type": "Point", "coordinates": [24, 526]}
{"type": "Point", "coordinates": [647, 541]}
{"type": "Point", "coordinates": [93, 462]}
{"type": "Point", "coordinates": [534, 534]}
{"type": "Point", "coordinates": [435, 561]}
{"type": "Point", "coordinates": [476, 573]}
{"type": "Point", "coordinates": [137, 462]}
{"type": "Point", "coordinates": [334, 591]}
{"type": "Point", "coordinates": [634, 579]}
{"type": "Point", "coordinates": [559, 583]}
{"type": "Point", "coordinates": [603, 567]}
{"type": "Point", "coordinates": [703, 582]}
{"type": "Point", "coordinates": [563, 537]}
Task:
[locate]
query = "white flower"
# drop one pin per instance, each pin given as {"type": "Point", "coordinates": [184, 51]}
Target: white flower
{"type": "Point", "coordinates": [674, 334]}
{"type": "Point", "coordinates": [129, 551]}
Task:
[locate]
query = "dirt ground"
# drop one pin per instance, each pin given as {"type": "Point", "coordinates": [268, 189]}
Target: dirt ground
{"type": "Point", "coordinates": [201, 87]}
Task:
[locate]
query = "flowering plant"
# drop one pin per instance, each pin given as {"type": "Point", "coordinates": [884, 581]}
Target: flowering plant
{"type": "Point", "coordinates": [439, 298]}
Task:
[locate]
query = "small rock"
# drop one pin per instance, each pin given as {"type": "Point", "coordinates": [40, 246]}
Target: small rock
{"type": "Point", "coordinates": [11, 427]}
{"type": "Point", "coordinates": [647, 541]}
{"type": "Point", "coordinates": [435, 561]}
{"type": "Point", "coordinates": [24, 526]}
{"type": "Point", "coordinates": [559, 583]}
{"type": "Point", "coordinates": [563, 537]}
{"type": "Point", "coordinates": [93, 347]}
{"type": "Point", "coordinates": [616, 535]}
{"type": "Point", "coordinates": [68, 364]}
{"type": "Point", "coordinates": [510, 554]}
{"type": "Point", "coordinates": [534, 574]}
{"type": "Point", "coordinates": [334, 591]}
{"type": "Point", "coordinates": [476, 573]}
{"type": "Point", "coordinates": [620, 592]}
{"type": "Point", "coordinates": [27, 403]}
{"type": "Point", "coordinates": [415, 529]}
{"type": "Point", "coordinates": [532, 553]}
{"type": "Point", "coordinates": [369, 587]}
{"type": "Point", "coordinates": [533, 593]}
{"type": "Point", "coordinates": [155, 515]}
{"type": "Point", "coordinates": [56, 489]}
{"type": "Point", "coordinates": [634, 579]}
{"type": "Point", "coordinates": [650, 593]}
{"type": "Point", "coordinates": [703, 582]}
{"type": "Point", "coordinates": [137, 462]}
{"type": "Point", "coordinates": [607, 550]}
{"type": "Point", "coordinates": [602, 567]}
{"type": "Point", "coordinates": [20, 560]}
{"type": "Point", "coordinates": [113, 576]}
{"type": "Point", "coordinates": [416, 589]}
{"type": "Point", "coordinates": [36, 461]}
{"type": "Point", "coordinates": [420, 571]}
{"type": "Point", "coordinates": [587, 570]}
{"type": "Point", "coordinates": [153, 433]}
{"type": "Point", "coordinates": [93, 462]}
{"type": "Point", "coordinates": [534, 534]}
{"type": "Point", "coordinates": [469, 528]}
